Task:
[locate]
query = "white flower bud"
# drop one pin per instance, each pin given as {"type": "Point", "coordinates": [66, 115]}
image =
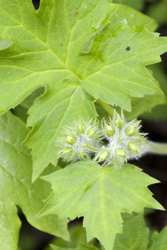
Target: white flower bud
{"type": "Point", "coordinates": [90, 133]}
{"type": "Point", "coordinates": [120, 152]}
{"type": "Point", "coordinates": [118, 121]}
{"type": "Point", "coordinates": [109, 129]}
{"type": "Point", "coordinates": [103, 155]}
{"type": "Point", "coordinates": [71, 139]}
{"type": "Point", "coordinates": [130, 130]}
{"type": "Point", "coordinates": [81, 127]}
{"type": "Point", "coordinates": [122, 141]}
{"type": "Point", "coordinates": [133, 147]}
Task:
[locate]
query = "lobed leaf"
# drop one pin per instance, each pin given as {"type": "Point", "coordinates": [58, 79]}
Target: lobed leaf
{"type": "Point", "coordinates": [16, 188]}
{"type": "Point", "coordinates": [100, 195]}
{"type": "Point", "coordinates": [159, 241]}
{"type": "Point", "coordinates": [135, 234]}
{"type": "Point", "coordinates": [79, 51]}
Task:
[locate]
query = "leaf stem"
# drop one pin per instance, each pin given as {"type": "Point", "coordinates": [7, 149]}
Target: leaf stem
{"type": "Point", "coordinates": [106, 106]}
{"type": "Point", "coordinates": [158, 148]}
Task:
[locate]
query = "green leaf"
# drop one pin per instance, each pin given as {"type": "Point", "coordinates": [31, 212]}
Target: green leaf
{"type": "Point", "coordinates": [158, 12]}
{"type": "Point", "coordinates": [77, 235]}
{"type": "Point", "coordinates": [159, 112]}
{"type": "Point", "coordinates": [16, 187]}
{"type": "Point", "coordinates": [134, 17]}
{"type": "Point", "coordinates": [137, 4]}
{"type": "Point", "coordinates": [153, 105]}
{"type": "Point", "coordinates": [5, 44]}
{"type": "Point", "coordinates": [130, 56]}
{"type": "Point", "coordinates": [135, 234]}
{"type": "Point", "coordinates": [62, 105]}
{"type": "Point", "coordinates": [102, 193]}
{"type": "Point", "coordinates": [81, 246]}
{"type": "Point", "coordinates": [70, 47]}
{"type": "Point", "coordinates": [159, 241]}
{"type": "Point", "coordinates": [9, 225]}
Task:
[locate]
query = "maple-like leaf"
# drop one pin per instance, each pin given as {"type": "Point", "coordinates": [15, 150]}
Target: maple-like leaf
{"type": "Point", "coordinates": [135, 234]}
{"type": "Point", "coordinates": [16, 188]}
{"type": "Point", "coordinates": [79, 51]}
{"type": "Point", "coordinates": [159, 240]}
{"type": "Point", "coordinates": [100, 195]}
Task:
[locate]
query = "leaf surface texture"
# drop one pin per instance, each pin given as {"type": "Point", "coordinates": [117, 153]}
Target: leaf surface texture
{"type": "Point", "coordinates": [78, 50]}
{"type": "Point", "coordinates": [100, 195]}
{"type": "Point", "coordinates": [16, 188]}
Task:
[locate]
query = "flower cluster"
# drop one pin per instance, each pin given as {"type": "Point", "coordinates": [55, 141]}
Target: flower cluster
{"type": "Point", "coordinates": [81, 141]}
{"type": "Point", "coordinates": [109, 142]}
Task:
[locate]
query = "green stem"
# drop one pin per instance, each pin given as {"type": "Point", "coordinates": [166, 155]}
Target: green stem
{"type": "Point", "coordinates": [157, 148]}
{"type": "Point", "coordinates": [106, 106]}
{"type": "Point", "coordinates": [90, 147]}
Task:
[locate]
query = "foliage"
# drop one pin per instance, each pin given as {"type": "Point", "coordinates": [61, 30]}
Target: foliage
{"type": "Point", "coordinates": [83, 65]}
{"type": "Point", "coordinates": [135, 236]}
{"type": "Point", "coordinates": [138, 4]}
{"type": "Point", "coordinates": [102, 193]}
{"type": "Point", "coordinates": [72, 66]}
{"type": "Point", "coordinates": [16, 188]}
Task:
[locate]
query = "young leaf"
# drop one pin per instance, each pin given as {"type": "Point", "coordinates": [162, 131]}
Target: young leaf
{"type": "Point", "coordinates": [70, 47]}
{"type": "Point", "coordinates": [16, 187]}
{"type": "Point", "coordinates": [159, 241]}
{"type": "Point", "coordinates": [159, 112]}
{"type": "Point", "coordinates": [135, 234]}
{"type": "Point", "coordinates": [100, 195]}
{"type": "Point", "coordinates": [131, 56]}
{"type": "Point", "coordinates": [77, 235]}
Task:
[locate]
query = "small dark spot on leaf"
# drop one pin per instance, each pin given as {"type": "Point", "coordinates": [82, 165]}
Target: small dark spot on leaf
{"type": "Point", "coordinates": [76, 13]}
{"type": "Point", "coordinates": [128, 48]}
{"type": "Point", "coordinates": [61, 44]}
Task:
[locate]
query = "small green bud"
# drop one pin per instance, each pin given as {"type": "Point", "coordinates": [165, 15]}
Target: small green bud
{"type": "Point", "coordinates": [71, 139]}
{"type": "Point", "coordinates": [130, 130]}
{"type": "Point", "coordinates": [133, 147]}
{"type": "Point", "coordinates": [103, 155]}
{"type": "Point", "coordinates": [81, 128]}
{"type": "Point", "coordinates": [138, 137]}
{"type": "Point", "coordinates": [90, 132]}
{"type": "Point", "coordinates": [109, 130]}
{"type": "Point", "coordinates": [118, 121]}
{"type": "Point", "coordinates": [67, 151]}
{"type": "Point", "coordinates": [120, 152]}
